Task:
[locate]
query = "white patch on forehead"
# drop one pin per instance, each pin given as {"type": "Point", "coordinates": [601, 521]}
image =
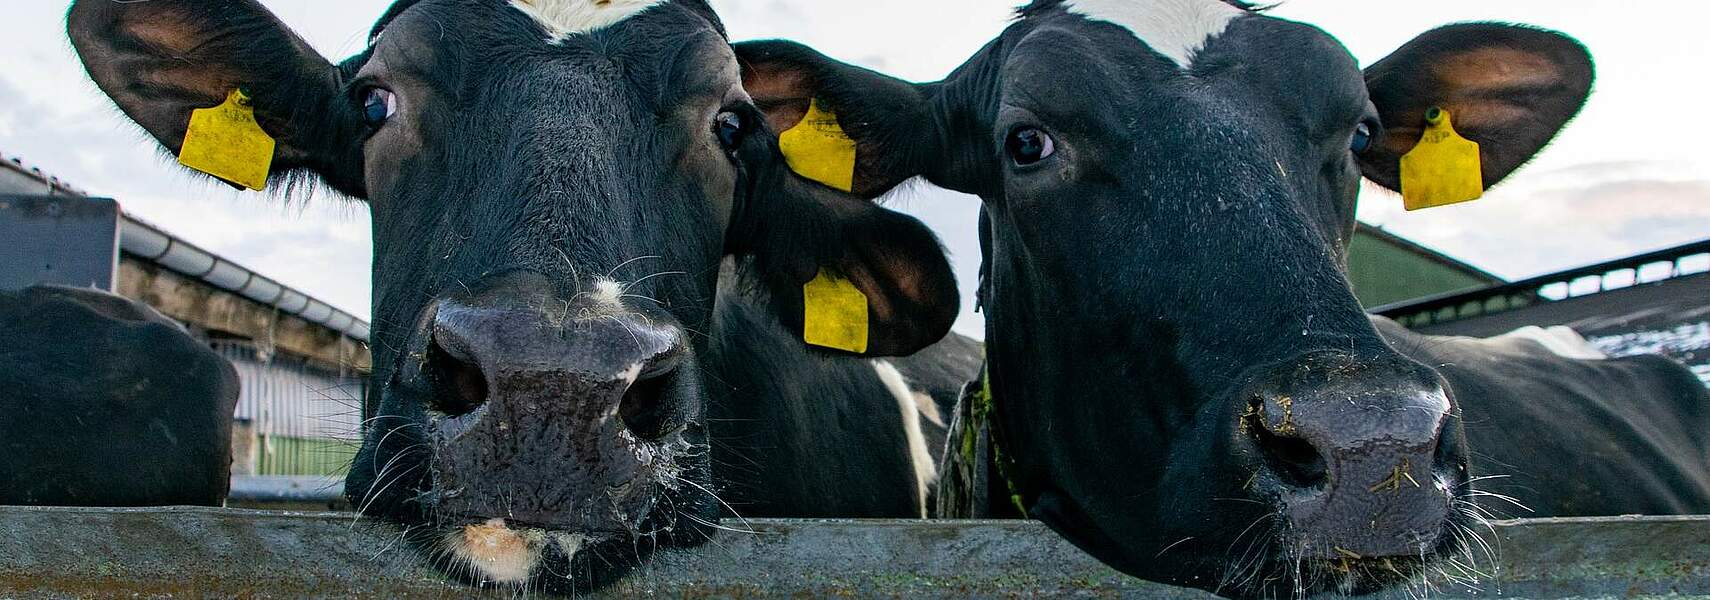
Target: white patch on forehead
{"type": "Point", "coordinates": [564, 18]}
{"type": "Point", "coordinates": [1177, 29]}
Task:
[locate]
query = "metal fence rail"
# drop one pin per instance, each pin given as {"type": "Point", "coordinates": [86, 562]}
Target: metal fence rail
{"type": "Point", "coordinates": [195, 553]}
{"type": "Point", "coordinates": [1644, 269]}
{"type": "Point", "coordinates": [1658, 303]}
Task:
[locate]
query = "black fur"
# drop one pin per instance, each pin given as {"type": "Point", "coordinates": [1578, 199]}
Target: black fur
{"type": "Point", "coordinates": [516, 174]}
{"type": "Point", "coordinates": [1152, 287]}
{"type": "Point", "coordinates": [104, 402]}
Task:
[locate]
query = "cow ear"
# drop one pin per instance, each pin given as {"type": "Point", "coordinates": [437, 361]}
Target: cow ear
{"type": "Point", "coordinates": [809, 246]}
{"type": "Point", "coordinates": [1510, 88]}
{"type": "Point", "coordinates": [887, 120]}
{"type": "Point", "coordinates": [160, 60]}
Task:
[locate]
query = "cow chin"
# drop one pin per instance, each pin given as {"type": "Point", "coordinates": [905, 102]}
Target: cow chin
{"type": "Point", "coordinates": [559, 559]}
{"type": "Point", "coordinates": [1460, 555]}
{"type": "Point", "coordinates": [1269, 558]}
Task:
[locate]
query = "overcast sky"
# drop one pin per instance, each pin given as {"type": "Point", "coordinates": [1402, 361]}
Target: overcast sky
{"type": "Point", "coordinates": [1627, 177]}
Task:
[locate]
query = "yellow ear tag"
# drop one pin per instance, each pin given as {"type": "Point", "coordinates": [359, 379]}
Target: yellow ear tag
{"type": "Point", "coordinates": [818, 149]}
{"type": "Point", "coordinates": [226, 142]}
{"type": "Point", "coordinates": [836, 313]}
{"type": "Point", "coordinates": [1443, 169]}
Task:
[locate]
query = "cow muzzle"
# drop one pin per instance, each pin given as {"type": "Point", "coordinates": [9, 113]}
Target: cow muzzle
{"type": "Point", "coordinates": [1352, 454]}
{"type": "Point", "coordinates": [558, 415]}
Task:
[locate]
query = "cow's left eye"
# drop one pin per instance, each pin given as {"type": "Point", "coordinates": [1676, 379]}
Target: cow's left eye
{"type": "Point", "coordinates": [1362, 139]}
{"type": "Point", "coordinates": [1027, 146]}
{"type": "Point", "coordinates": [731, 129]}
{"type": "Point", "coordinates": [378, 106]}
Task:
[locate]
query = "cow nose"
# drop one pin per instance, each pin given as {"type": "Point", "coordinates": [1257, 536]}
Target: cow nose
{"type": "Point", "coordinates": [1351, 451]}
{"type": "Point", "coordinates": [555, 413]}
{"type": "Point", "coordinates": [479, 351]}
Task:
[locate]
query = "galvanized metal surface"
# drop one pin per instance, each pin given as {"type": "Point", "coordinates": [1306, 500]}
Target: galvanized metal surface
{"type": "Point", "coordinates": [58, 240]}
{"type": "Point", "coordinates": [202, 553]}
{"type": "Point", "coordinates": [287, 492]}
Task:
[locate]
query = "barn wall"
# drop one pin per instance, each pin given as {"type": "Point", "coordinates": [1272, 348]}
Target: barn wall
{"type": "Point", "coordinates": [294, 417]}
{"type": "Point", "coordinates": [203, 306]}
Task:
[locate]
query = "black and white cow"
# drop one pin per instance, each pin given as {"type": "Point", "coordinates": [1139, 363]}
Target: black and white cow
{"type": "Point", "coordinates": [563, 379]}
{"type": "Point", "coordinates": [106, 402]}
{"type": "Point", "coordinates": [1182, 382]}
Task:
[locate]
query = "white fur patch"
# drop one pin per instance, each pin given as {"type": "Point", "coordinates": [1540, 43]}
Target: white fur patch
{"type": "Point", "coordinates": [928, 408]}
{"type": "Point", "coordinates": [1177, 29]}
{"type": "Point", "coordinates": [570, 544]}
{"type": "Point", "coordinates": [1563, 341]}
{"type": "Point", "coordinates": [564, 18]}
{"type": "Point", "coordinates": [496, 552]}
{"type": "Point", "coordinates": [608, 292]}
{"type": "Point", "coordinates": [925, 472]}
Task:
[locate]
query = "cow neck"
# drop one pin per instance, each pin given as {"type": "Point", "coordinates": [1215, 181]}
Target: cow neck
{"type": "Point", "coordinates": [984, 412]}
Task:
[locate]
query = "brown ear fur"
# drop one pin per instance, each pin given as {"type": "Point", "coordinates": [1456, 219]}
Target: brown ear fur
{"type": "Point", "coordinates": [886, 116]}
{"type": "Point", "coordinates": [1510, 88]}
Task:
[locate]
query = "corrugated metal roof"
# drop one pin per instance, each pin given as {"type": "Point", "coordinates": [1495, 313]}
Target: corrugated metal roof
{"type": "Point", "coordinates": [154, 244]}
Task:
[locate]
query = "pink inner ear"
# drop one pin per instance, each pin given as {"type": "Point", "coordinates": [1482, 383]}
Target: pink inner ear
{"type": "Point", "coordinates": [166, 31]}
{"type": "Point", "coordinates": [1495, 68]}
{"type": "Point", "coordinates": [782, 92]}
{"type": "Point", "coordinates": [878, 301]}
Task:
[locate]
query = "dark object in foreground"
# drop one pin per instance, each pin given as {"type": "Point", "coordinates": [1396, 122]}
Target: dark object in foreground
{"type": "Point", "coordinates": [95, 553]}
{"type": "Point", "coordinates": [105, 402]}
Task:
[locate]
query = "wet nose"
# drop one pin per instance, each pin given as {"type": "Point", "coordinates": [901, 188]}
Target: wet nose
{"type": "Point", "coordinates": [555, 413]}
{"type": "Point", "coordinates": [517, 352]}
{"type": "Point", "coordinates": [1351, 450]}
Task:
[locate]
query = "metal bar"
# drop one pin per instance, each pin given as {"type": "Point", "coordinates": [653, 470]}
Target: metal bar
{"type": "Point", "coordinates": [192, 553]}
{"type": "Point", "coordinates": [1527, 291]}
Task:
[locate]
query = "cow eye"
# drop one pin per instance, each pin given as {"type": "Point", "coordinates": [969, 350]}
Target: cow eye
{"type": "Point", "coordinates": [378, 105]}
{"type": "Point", "coordinates": [1362, 139]}
{"type": "Point", "coordinates": [1028, 145]}
{"type": "Point", "coordinates": [731, 129]}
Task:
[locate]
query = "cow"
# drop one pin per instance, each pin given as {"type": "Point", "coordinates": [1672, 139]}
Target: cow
{"type": "Point", "coordinates": [591, 273]}
{"type": "Point", "coordinates": [106, 402]}
{"type": "Point", "coordinates": [1181, 381]}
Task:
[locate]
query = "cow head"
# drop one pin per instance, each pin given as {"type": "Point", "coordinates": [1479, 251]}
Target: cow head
{"type": "Point", "coordinates": [1184, 379]}
{"type": "Point", "coordinates": [553, 185]}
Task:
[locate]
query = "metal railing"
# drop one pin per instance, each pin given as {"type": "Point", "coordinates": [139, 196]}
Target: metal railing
{"type": "Point", "coordinates": [1645, 269]}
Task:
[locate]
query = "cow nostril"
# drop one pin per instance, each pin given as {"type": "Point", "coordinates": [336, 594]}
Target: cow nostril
{"type": "Point", "coordinates": [645, 410]}
{"type": "Point", "coordinates": [459, 386]}
{"type": "Point", "coordinates": [1294, 460]}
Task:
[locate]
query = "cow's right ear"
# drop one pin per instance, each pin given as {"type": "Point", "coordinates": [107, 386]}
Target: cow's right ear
{"type": "Point", "coordinates": [888, 119]}
{"type": "Point", "coordinates": [162, 59]}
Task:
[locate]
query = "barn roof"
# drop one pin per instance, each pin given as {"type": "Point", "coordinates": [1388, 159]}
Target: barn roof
{"type": "Point", "coordinates": [154, 245]}
{"type": "Point", "coordinates": [1421, 251]}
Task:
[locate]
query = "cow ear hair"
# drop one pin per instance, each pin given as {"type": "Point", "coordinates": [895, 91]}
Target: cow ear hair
{"type": "Point", "coordinates": [160, 60]}
{"type": "Point", "coordinates": [1510, 88]}
{"type": "Point", "coordinates": [887, 118]}
{"type": "Point", "coordinates": [792, 231]}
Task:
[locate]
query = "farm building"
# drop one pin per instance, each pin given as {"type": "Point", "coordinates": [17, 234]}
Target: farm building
{"type": "Point", "coordinates": [299, 359]}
